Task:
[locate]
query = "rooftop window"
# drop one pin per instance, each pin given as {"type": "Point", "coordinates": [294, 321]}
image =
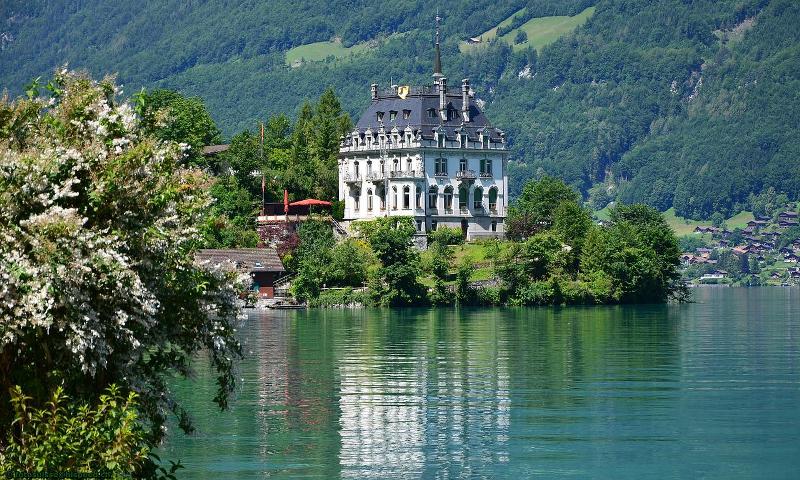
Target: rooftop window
{"type": "Point", "coordinates": [431, 113]}
{"type": "Point", "coordinates": [380, 116]}
{"type": "Point", "coordinates": [392, 115]}
{"type": "Point", "coordinates": [406, 114]}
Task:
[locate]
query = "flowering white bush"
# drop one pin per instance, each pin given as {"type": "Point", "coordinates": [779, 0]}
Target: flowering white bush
{"type": "Point", "coordinates": [97, 279]}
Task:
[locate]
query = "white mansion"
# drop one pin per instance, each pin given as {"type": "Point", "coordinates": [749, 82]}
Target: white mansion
{"type": "Point", "coordinates": [429, 153]}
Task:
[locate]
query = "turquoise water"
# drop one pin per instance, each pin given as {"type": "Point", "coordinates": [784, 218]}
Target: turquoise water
{"type": "Point", "coordinates": [706, 390]}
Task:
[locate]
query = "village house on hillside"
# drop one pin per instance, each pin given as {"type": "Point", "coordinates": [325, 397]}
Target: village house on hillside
{"type": "Point", "coordinates": [430, 153]}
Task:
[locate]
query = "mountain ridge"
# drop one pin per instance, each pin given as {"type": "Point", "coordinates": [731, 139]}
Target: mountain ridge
{"type": "Point", "coordinates": [663, 102]}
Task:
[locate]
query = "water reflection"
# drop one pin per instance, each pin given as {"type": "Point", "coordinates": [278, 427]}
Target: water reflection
{"type": "Point", "coordinates": [588, 392]}
{"type": "Point", "coordinates": [425, 402]}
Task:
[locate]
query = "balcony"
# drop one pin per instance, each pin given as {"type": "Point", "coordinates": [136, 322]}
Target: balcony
{"type": "Point", "coordinates": [463, 210]}
{"type": "Point", "coordinates": [401, 174]}
{"type": "Point", "coordinates": [486, 174]}
{"type": "Point", "coordinates": [466, 176]}
{"type": "Point", "coordinates": [350, 178]}
{"type": "Point", "coordinates": [375, 177]}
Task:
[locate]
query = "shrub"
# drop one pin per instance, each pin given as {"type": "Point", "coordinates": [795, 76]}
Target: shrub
{"type": "Point", "coordinates": [64, 437]}
{"type": "Point", "coordinates": [341, 297]}
{"type": "Point", "coordinates": [446, 236]}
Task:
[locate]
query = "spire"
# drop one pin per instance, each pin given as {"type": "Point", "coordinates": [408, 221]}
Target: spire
{"type": "Point", "coordinates": [437, 61]}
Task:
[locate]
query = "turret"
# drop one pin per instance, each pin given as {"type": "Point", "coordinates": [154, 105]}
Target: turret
{"type": "Point", "coordinates": [443, 98]}
{"type": "Point", "coordinates": [465, 99]}
{"type": "Point", "coordinates": [437, 60]}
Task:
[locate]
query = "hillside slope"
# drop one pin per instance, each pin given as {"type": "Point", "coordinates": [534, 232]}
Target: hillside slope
{"type": "Point", "coordinates": [684, 104]}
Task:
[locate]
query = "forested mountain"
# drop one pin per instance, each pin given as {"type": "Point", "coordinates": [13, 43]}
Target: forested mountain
{"type": "Point", "coordinates": [691, 104]}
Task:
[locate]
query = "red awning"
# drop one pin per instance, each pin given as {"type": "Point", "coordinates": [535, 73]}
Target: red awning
{"type": "Point", "coordinates": [310, 201]}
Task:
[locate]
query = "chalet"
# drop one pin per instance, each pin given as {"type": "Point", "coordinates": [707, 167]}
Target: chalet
{"type": "Point", "coordinates": [714, 275]}
{"type": "Point", "coordinates": [703, 229]}
{"type": "Point", "coordinates": [757, 223]}
{"type": "Point", "coordinates": [743, 250]}
{"type": "Point", "coordinates": [788, 223]}
{"type": "Point", "coordinates": [262, 264]}
{"type": "Point", "coordinates": [791, 258]}
{"type": "Point", "coordinates": [787, 216]}
{"type": "Point", "coordinates": [211, 150]}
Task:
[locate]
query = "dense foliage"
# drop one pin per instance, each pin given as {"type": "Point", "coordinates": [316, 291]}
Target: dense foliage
{"type": "Point", "coordinates": [98, 221]}
{"type": "Point", "coordinates": [61, 436]}
{"type": "Point", "coordinates": [561, 256]}
{"type": "Point", "coordinates": [667, 102]}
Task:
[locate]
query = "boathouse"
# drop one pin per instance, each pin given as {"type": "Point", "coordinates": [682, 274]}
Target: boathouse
{"type": "Point", "coordinates": [262, 264]}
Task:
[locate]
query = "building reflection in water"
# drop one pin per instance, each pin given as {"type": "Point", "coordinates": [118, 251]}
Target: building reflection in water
{"type": "Point", "coordinates": [422, 394]}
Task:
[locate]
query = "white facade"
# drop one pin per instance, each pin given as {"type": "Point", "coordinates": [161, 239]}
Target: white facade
{"type": "Point", "coordinates": [457, 180]}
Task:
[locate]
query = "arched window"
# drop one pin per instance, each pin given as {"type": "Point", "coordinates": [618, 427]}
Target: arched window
{"type": "Point", "coordinates": [477, 199]}
{"type": "Point", "coordinates": [356, 199]}
{"type": "Point", "coordinates": [396, 165]}
{"type": "Point", "coordinates": [418, 196]}
{"type": "Point", "coordinates": [382, 197]}
{"type": "Point", "coordinates": [448, 199]}
{"type": "Point", "coordinates": [493, 199]}
{"type": "Point", "coordinates": [394, 198]}
{"type": "Point", "coordinates": [355, 169]}
{"type": "Point", "coordinates": [369, 200]}
{"type": "Point", "coordinates": [408, 164]}
{"type": "Point", "coordinates": [463, 199]}
{"type": "Point", "coordinates": [369, 167]}
{"type": "Point", "coordinates": [406, 197]}
{"type": "Point", "coordinates": [433, 196]}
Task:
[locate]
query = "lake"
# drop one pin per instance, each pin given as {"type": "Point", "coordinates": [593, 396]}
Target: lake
{"type": "Point", "coordinates": [705, 390]}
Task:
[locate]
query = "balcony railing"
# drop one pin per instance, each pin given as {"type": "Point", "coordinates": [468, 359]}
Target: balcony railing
{"type": "Point", "coordinates": [440, 174]}
{"type": "Point", "coordinates": [463, 210]}
{"type": "Point", "coordinates": [375, 176]}
{"type": "Point", "coordinates": [486, 174]}
{"type": "Point", "coordinates": [350, 178]}
{"type": "Point", "coordinates": [466, 175]}
{"type": "Point", "coordinates": [405, 174]}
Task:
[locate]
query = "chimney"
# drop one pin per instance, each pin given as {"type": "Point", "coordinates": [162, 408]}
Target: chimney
{"type": "Point", "coordinates": [465, 99]}
{"type": "Point", "coordinates": [443, 98]}
{"type": "Point", "coordinates": [374, 88]}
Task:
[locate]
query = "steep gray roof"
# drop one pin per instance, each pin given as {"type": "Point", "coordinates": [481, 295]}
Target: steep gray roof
{"type": "Point", "coordinates": [244, 259]}
{"type": "Point", "coordinates": [418, 104]}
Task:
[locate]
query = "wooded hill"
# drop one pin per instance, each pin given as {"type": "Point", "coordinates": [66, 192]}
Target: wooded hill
{"type": "Point", "coordinates": [673, 103]}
